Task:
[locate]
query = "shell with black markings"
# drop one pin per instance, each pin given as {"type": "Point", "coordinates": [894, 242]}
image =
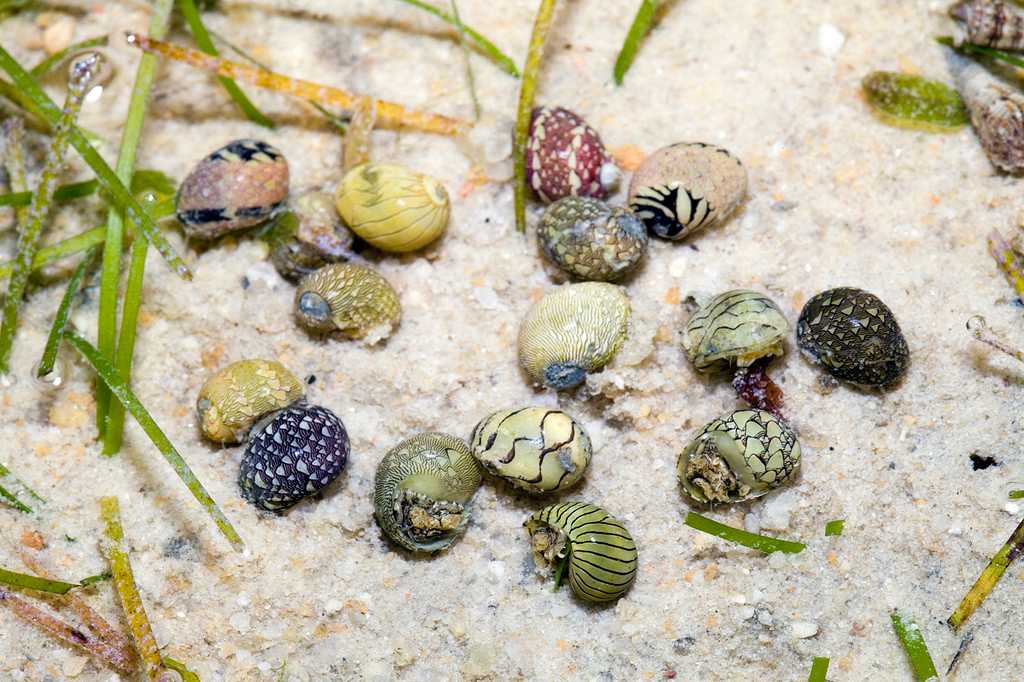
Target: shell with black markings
{"type": "Point", "coordinates": [588, 542]}
{"type": "Point", "coordinates": [237, 186]}
{"type": "Point", "coordinates": [392, 207]}
{"type": "Point", "coordinates": [734, 328]}
{"type": "Point", "coordinates": [686, 187]}
{"type": "Point", "coordinates": [537, 449]}
{"type": "Point", "coordinates": [292, 454]}
{"type": "Point", "coordinates": [233, 399]}
{"type": "Point", "coordinates": [351, 299]}
{"type": "Point", "coordinates": [423, 489]}
{"type": "Point", "coordinates": [576, 329]}
{"type": "Point", "coordinates": [737, 457]}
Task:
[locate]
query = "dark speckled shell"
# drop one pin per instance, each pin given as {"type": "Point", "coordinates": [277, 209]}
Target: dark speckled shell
{"type": "Point", "coordinates": [591, 240]}
{"type": "Point", "coordinates": [295, 453]}
{"type": "Point", "coordinates": [239, 185]}
{"type": "Point", "coordinates": [854, 336]}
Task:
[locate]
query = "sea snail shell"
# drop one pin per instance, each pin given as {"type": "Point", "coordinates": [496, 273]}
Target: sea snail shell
{"type": "Point", "coordinates": [537, 449]}
{"type": "Point", "coordinates": [239, 185]}
{"type": "Point", "coordinates": [350, 299]}
{"type": "Point", "coordinates": [573, 330]}
{"type": "Point", "coordinates": [737, 457]}
{"type": "Point", "coordinates": [596, 548]}
{"type": "Point", "coordinates": [734, 328]}
{"type": "Point", "coordinates": [392, 207]}
{"type": "Point", "coordinates": [591, 240]}
{"type": "Point", "coordinates": [423, 489]}
{"type": "Point", "coordinates": [233, 399]}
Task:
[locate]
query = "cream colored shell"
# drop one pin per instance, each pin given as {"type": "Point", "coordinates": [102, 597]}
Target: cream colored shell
{"type": "Point", "coordinates": [573, 330]}
{"type": "Point", "coordinates": [392, 207]}
{"type": "Point", "coordinates": [233, 399]}
{"type": "Point", "coordinates": [351, 299]}
{"type": "Point", "coordinates": [537, 449]}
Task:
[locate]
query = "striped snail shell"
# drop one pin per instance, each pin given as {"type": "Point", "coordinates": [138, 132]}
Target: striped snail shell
{"type": "Point", "coordinates": [576, 329]}
{"type": "Point", "coordinates": [423, 489]}
{"type": "Point", "coordinates": [591, 240]}
{"type": "Point", "coordinates": [392, 207]}
{"type": "Point", "coordinates": [239, 185]}
{"type": "Point", "coordinates": [991, 23]}
{"type": "Point", "coordinates": [737, 457]}
{"type": "Point", "coordinates": [537, 449]}
{"type": "Point", "coordinates": [233, 399]}
{"type": "Point", "coordinates": [350, 299]}
{"type": "Point", "coordinates": [686, 187]}
{"type": "Point", "coordinates": [997, 112]}
{"type": "Point", "coordinates": [734, 328]}
{"type": "Point", "coordinates": [594, 546]}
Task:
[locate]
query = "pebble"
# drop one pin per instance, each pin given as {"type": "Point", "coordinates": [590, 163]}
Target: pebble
{"type": "Point", "coordinates": [764, 617]}
{"type": "Point", "coordinates": [1012, 508]}
{"type": "Point", "coordinates": [240, 621]}
{"type": "Point", "coordinates": [746, 613]}
{"type": "Point", "coordinates": [803, 629]}
{"type": "Point", "coordinates": [57, 36]}
{"type": "Point", "coordinates": [74, 665]}
{"type": "Point", "coordinates": [830, 40]}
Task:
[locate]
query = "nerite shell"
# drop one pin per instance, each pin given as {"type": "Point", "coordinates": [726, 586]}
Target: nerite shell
{"type": "Point", "coordinates": [316, 237]}
{"type": "Point", "coordinates": [738, 457]}
{"type": "Point", "coordinates": [573, 330]}
{"type": "Point", "coordinates": [239, 185]}
{"type": "Point", "coordinates": [295, 453]}
{"type": "Point", "coordinates": [686, 187]}
{"type": "Point", "coordinates": [734, 328]}
{"type": "Point", "coordinates": [565, 157]}
{"type": "Point", "coordinates": [423, 489]}
{"type": "Point", "coordinates": [591, 240]}
{"type": "Point", "coordinates": [392, 207]}
{"type": "Point", "coordinates": [854, 336]}
{"type": "Point", "coordinates": [233, 399]}
{"type": "Point", "coordinates": [350, 299]}
{"type": "Point", "coordinates": [537, 449]}
{"type": "Point", "coordinates": [594, 546]}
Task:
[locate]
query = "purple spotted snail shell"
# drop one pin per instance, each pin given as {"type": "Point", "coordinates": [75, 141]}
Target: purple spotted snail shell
{"type": "Point", "coordinates": [565, 157]}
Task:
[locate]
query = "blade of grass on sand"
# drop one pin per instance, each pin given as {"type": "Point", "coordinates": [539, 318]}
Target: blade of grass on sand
{"type": "Point", "coordinates": [83, 72]}
{"type": "Point", "coordinates": [913, 644]}
{"type": "Point", "coordinates": [762, 543]}
{"type": "Point", "coordinates": [9, 481]}
{"type": "Point", "coordinates": [123, 393]}
{"type": "Point", "coordinates": [819, 669]}
{"type": "Point", "coordinates": [833, 528]}
{"type": "Point", "coordinates": [527, 90]}
{"type": "Point", "coordinates": [986, 582]}
{"type": "Point", "coordinates": [14, 162]}
{"type": "Point", "coordinates": [470, 78]}
{"type": "Point", "coordinates": [33, 582]}
{"type": "Point", "coordinates": [60, 320]}
{"type": "Point", "coordinates": [637, 31]}
{"type": "Point", "coordinates": [118, 192]}
{"type": "Point", "coordinates": [179, 667]}
{"type": "Point", "coordinates": [485, 45]}
{"type": "Point", "coordinates": [113, 246]}
{"type": "Point", "coordinates": [62, 249]}
{"type": "Point", "coordinates": [74, 190]}
{"type": "Point", "coordinates": [44, 67]}
{"type": "Point", "coordinates": [124, 580]}
{"type": "Point", "coordinates": [202, 38]}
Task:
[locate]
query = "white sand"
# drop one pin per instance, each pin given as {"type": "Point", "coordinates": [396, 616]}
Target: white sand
{"type": "Point", "coordinates": [835, 199]}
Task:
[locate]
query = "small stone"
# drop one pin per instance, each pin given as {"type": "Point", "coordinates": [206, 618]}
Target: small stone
{"type": "Point", "coordinates": [830, 40]}
{"type": "Point", "coordinates": [746, 613]}
{"type": "Point", "coordinates": [74, 665]}
{"type": "Point", "coordinates": [764, 617]}
{"type": "Point", "coordinates": [1012, 508]}
{"type": "Point", "coordinates": [57, 36]}
{"type": "Point", "coordinates": [955, 530]}
{"type": "Point", "coordinates": [240, 621]}
{"type": "Point", "coordinates": [803, 629]}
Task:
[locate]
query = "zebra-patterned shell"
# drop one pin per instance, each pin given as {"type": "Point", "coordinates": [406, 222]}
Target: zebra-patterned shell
{"type": "Point", "coordinates": [537, 449]}
{"type": "Point", "coordinates": [423, 489]}
{"type": "Point", "coordinates": [738, 457]}
{"type": "Point", "coordinates": [573, 330]}
{"type": "Point", "coordinates": [392, 207]}
{"type": "Point", "coordinates": [234, 398]}
{"type": "Point", "coordinates": [591, 240]}
{"type": "Point", "coordinates": [735, 329]}
{"type": "Point", "coordinates": [350, 299]}
{"type": "Point", "coordinates": [992, 23]}
{"type": "Point", "coordinates": [686, 187]}
{"type": "Point", "coordinates": [594, 546]}
{"type": "Point", "coordinates": [239, 185]}
{"type": "Point", "coordinates": [294, 453]}
{"type": "Point", "coordinates": [854, 336]}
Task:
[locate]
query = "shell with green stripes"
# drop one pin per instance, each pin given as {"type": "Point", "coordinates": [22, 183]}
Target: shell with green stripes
{"type": "Point", "coordinates": [588, 544]}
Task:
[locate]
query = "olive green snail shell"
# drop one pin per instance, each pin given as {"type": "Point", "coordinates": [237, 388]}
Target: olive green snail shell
{"type": "Point", "coordinates": [576, 329]}
{"type": "Point", "coordinates": [734, 328]}
{"type": "Point", "coordinates": [392, 207]}
{"type": "Point", "coordinates": [599, 551]}
{"type": "Point", "coordinates": [350, 299]}
{"type": "Point", "coordinates": [591, 240]}
{"type": "Point", "coordinates": [537, 449]}
{"type": "Point", "coordinates": [233, 399]}
{"type": "Point", "coordinates": [423, 489]}
{"type": "Point", "coordinates": [737, 457]}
